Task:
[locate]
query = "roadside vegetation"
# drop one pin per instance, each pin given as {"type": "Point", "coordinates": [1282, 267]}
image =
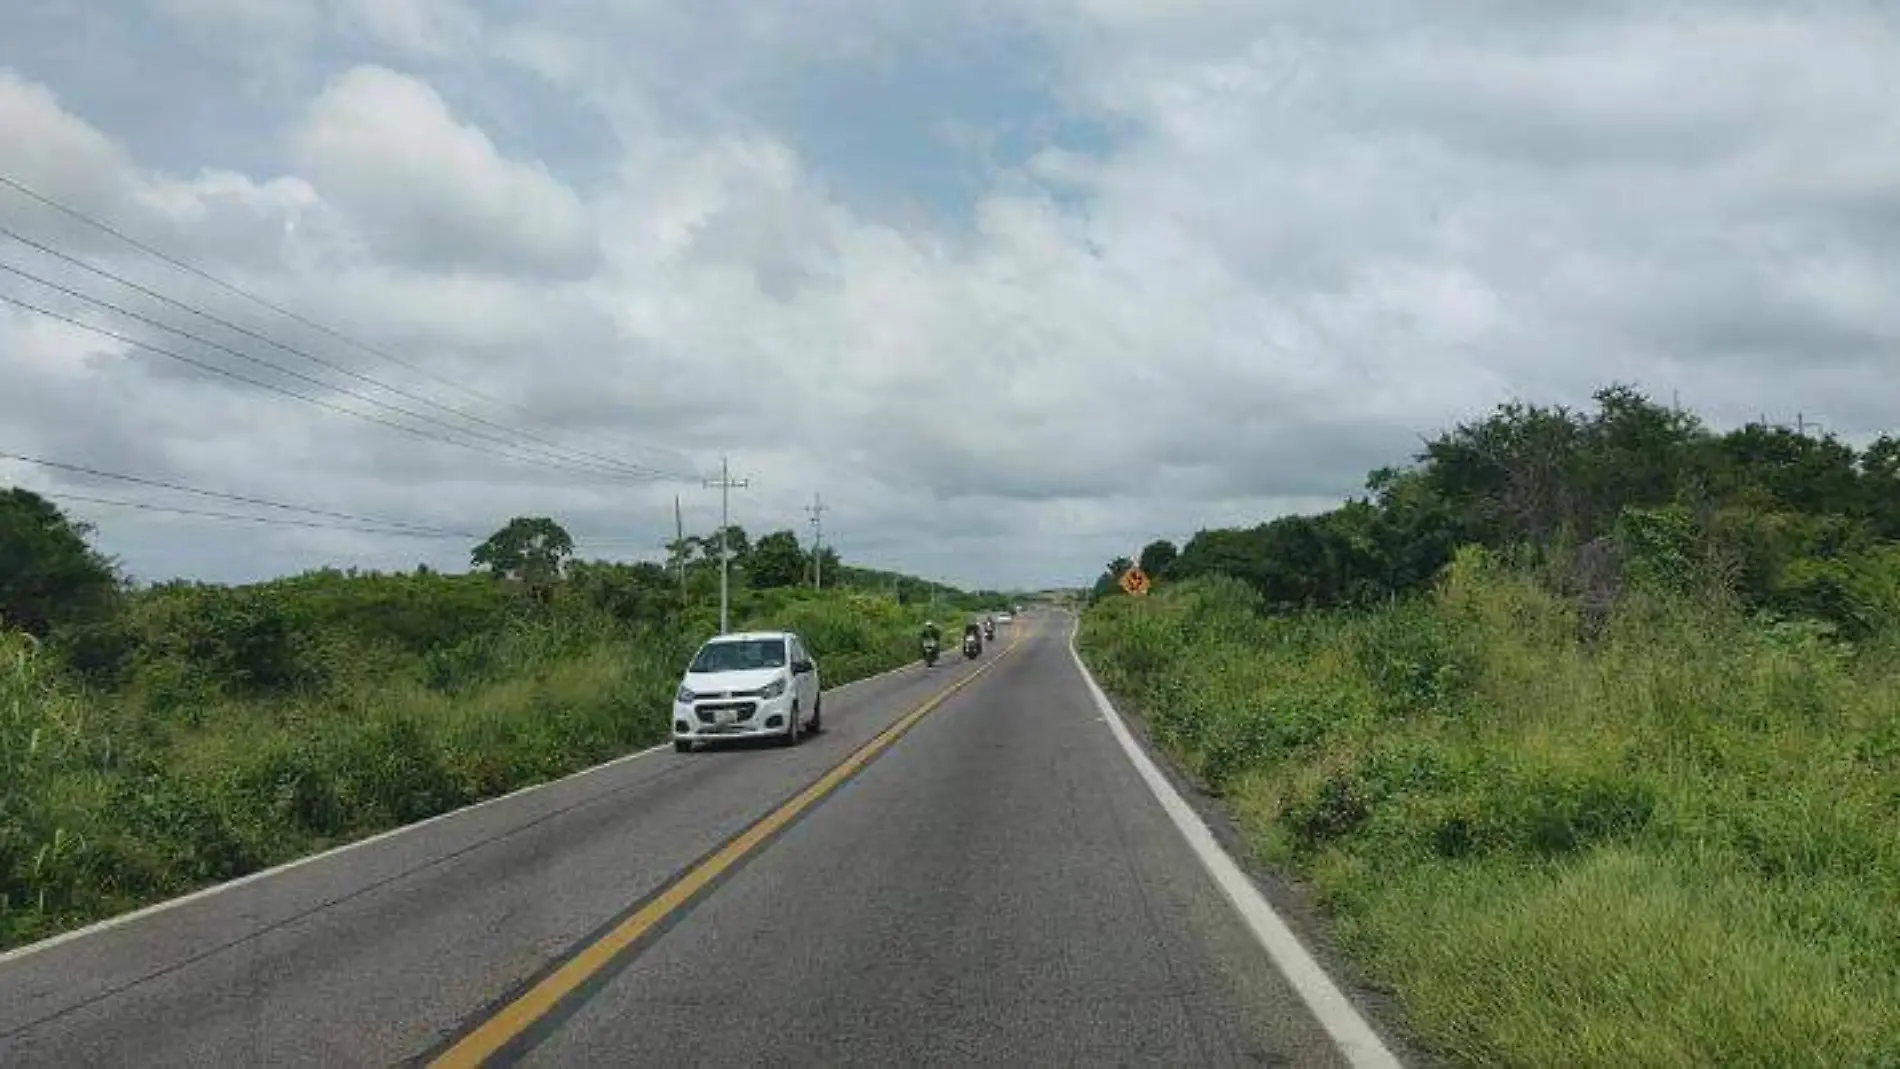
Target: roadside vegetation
{"type": "Point", "coordinates": [1585, 729]}
{"type": "Point", "coordinates": [161, 738]}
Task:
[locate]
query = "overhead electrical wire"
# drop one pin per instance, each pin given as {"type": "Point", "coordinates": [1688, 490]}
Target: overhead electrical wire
{"type": "Point", "coordinates": [232, 516]}
{"type": "Point", "coordinates": [609, 542]}
{"type": "Point", "coordinates": [287, 392]}
{"type": "Point", "coordinates": [243, 499]}
{"type": "Point", "coordinates": [587, 466]}
{"type": "Point", "coordinates": [313, 358]}
{"type": "Point", "coordinates": [563, 458]}
{"type": "Point", "coordinates": [198, 272]}
{"type": "Point", "coordinates": [357, 522]}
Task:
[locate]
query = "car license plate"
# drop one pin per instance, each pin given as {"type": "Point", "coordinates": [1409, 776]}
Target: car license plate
{"type": "Point", "coordinates": [725, 717]}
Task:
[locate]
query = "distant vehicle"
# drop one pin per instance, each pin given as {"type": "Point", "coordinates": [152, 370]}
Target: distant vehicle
{"type": "Point", "coordinates": [972, 640]}
{"type": "Point", "coordinates": [748, 685]}
{"type": "Point", "coordinates": [1004, 618]}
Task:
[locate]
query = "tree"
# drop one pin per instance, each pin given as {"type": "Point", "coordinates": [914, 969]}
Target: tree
{"type": "Point", "coordinates": [530, 550]}
{"type": "Point", "coordinates": [1546, 484]}
{"type": "Point", "coordinates": [683, 552]}
{"type": "Point", "coordinates": [1797, 472]}
{"type": "Point", "coordinates": [777, 560]}
{"type": "Point", "coordinates": [49, 575]}
{"type": "Point", "coordinates": [631, 593]}
{"type": "Point", "coordinates": [1880, 484]}
{"type": "Point", "coordinates": [1109, 582]}
{"type": "Point", "coordinates": [736, 544]}
{"type": "Point", "coordinates": [1156, 556]}
{"type": "Point", "coordinates": [1640, 454]}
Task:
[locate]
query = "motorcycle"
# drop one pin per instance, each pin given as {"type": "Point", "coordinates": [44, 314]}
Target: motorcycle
{"type": "Point", "coordinates": [930, 652]}
{"type": "Point", "coordinates": [972, 646]}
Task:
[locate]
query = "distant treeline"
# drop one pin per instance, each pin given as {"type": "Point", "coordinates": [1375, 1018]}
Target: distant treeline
{"type": "Point", "coordinates": [1782, 519]}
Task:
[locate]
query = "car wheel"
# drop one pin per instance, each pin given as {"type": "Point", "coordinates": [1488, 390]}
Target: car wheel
{"type": "Point", "coordinates": [791, 727]}
{"type": "Point", "coordinates": [817, 715]}
{"type": "Point", "coordinates": [682, 746]}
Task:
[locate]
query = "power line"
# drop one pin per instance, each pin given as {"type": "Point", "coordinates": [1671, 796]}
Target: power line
{"type": "Point", "coordinates": [138, 480]}
{"type": "Point", "coordinates": [371, 524]}
{"type": "Point", "coordinates": [319, 383]}
{"type": "Point", "coordinates": [360, 523]}
{"type": "Point", "coordinates": [191, 269]}
{"type": "Point", "coordinates": [294, 351]}
{"type": "Point", "coordinates": [232, 516]}
{"type": "Point", "coordinates": [285, 391]}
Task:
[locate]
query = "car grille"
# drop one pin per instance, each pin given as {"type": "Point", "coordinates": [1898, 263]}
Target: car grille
{"type": "Point", "coordinates": [705, 712]}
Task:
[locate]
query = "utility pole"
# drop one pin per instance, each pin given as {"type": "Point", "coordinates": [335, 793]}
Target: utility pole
{"type": "Point", "coordinates": [725, 484]}
{"type": "Point", "coordinates": [817, 510]}
{"type": "Point", "coordinates": [679, 542]}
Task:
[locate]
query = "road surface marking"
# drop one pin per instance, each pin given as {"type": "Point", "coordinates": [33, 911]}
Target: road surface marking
{"type": "Point", "coordinates": [518, 1016]}
{"type": "Point", "coordinates": [1349, 1031]}
{"type": "Point", "coordinates": [98, 927]}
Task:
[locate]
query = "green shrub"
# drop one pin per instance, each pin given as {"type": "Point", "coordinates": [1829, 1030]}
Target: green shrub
{"type": "Point", "coordinates": [1658, 547]}
{"type": "Point", "coordinates": [1413, 657]}
{"type": "Point", "coordinates": [42, 741]}
{"type": "Point", "coordinates": [256, 724]}
{"type": "Point", "coordinates": [1545, 848]}
{"type": "Point", "coordinates": [1564, 814]}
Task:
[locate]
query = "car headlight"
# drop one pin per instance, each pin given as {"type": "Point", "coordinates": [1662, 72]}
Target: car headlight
{"type": "Point", "coordinates": [684, 696]}
{"type": "Point", "coordinates": [772, 689]}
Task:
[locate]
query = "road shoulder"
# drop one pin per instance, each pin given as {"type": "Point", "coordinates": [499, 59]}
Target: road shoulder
{"type": "Point", "coordinates": [1289, 897]}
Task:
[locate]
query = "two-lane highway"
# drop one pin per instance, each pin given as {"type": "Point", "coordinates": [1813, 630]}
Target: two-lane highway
{"type": "Point", "coordinates": [963, 868]}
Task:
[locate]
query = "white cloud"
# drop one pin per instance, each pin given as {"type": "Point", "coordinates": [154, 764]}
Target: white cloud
{"type": "Point", "coordinates": [50, 148]}
{"type": "Point", "coordinates": [430, 191]}
{"type": "Point", "coordinates": [1299, 237]}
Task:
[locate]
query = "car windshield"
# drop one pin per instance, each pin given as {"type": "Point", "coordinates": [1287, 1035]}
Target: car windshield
{"type": "Point", "coordinates": [738, 655]}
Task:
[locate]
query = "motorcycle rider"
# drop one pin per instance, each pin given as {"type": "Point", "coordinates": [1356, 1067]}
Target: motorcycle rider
{"type": "Point", "coordinates": [930, 635]}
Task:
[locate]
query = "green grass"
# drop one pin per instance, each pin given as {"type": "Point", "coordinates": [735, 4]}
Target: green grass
{"type": "Point", "coordinates": [1677, 846]}
{"type": "Point", "coordinates": [114, 798]}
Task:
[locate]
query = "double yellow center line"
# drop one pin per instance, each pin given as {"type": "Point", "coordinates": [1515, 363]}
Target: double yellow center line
{"type": "Point", "coordinates": [518, 1016]}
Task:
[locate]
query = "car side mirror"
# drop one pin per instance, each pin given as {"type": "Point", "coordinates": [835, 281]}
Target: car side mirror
{"type": "Point", "coordinates": [802, 667]}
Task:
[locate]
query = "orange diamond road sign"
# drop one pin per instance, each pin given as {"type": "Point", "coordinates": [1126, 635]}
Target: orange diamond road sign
{"type": "Point", "coordinates": [1135, 581]}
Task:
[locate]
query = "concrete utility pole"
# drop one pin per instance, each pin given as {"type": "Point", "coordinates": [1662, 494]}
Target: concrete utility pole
{"type": "Point", "coordinates": [725, 484]}
{"type": "Point", "coordinates": [817, 510]}
{"type": "Point", "coordinates": [679, 541]}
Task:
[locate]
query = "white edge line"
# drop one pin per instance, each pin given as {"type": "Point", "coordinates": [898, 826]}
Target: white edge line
{"type": "Point", "coordinates": [1342, 1021]}
{"type": "Point", "coordinates": [98, 927]}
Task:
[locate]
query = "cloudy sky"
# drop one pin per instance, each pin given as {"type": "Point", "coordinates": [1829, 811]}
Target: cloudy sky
{"type": "Point", "coordinates": [1015, 285]}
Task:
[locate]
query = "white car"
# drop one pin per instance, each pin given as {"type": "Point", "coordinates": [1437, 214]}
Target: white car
{"type": "Point", "coordinates": [748, 685]}
{"type": "Point", "coordinates": [1004, 618]}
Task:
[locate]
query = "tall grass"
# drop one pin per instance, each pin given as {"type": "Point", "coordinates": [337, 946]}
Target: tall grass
{"type": "Point", "coordinates": [1679, 845]}
{"type": "Point", "coordinates": [109, 800]}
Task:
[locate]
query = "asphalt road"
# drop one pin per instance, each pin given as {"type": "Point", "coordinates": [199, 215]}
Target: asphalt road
{"type": "Point", "coordinates": [995, 886]}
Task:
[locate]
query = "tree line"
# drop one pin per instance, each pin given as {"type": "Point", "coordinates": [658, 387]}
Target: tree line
{"type": "Point", "coordinates": [1627, 490]}
{"type": "Point", "coordinates": [291, 633]}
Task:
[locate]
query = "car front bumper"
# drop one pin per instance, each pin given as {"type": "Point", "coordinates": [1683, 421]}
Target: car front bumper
{"type": "Point", "coordinates": [732, 718]}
